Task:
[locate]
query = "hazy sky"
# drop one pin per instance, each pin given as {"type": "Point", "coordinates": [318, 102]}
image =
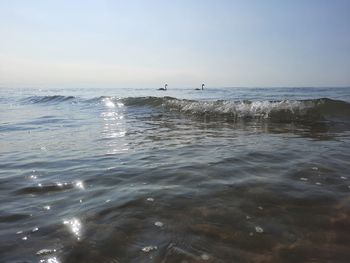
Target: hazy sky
{"type": "Point", "coordinates": [184, 43]}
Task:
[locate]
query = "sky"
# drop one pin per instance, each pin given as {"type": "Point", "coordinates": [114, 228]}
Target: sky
{"type": "Point", "coordinates": [146, 43]}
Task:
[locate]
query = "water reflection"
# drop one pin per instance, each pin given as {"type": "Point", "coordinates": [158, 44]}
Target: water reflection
{"type": "Point", "coordinates": [74, 226]}
{"type": "Point", "coordinates": [114, 127]}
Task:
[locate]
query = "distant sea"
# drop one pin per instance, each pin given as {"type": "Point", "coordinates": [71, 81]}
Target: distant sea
{"type": "Point", "coordinates": [140, 175]}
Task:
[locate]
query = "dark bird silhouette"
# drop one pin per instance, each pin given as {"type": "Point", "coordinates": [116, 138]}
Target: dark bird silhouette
{"type": "Point", "coordinates": [199, 88]}
{"type": "Point", "coordinates": [166, 85]}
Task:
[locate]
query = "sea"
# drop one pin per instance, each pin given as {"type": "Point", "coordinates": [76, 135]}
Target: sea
{"type": "Point", "coordinates": [116, 175]}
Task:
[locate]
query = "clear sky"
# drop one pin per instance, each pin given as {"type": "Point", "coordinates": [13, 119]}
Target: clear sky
{"type": "Point", "coordinates": [185, 42]}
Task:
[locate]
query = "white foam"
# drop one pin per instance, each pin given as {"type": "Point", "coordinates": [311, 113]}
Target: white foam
{"type": "Point", "coordinates": [50, 260]}
{"type": "Point", "coordinates": [159, 224]}
{"type": "Point", "coordinates": [149, 248]}
{"type": "Point", "coordinates": [259, 229]}
{"type": "Point", "coordinates": [45, 251]}
{"type": "Point", "coordinates": [241, 109]}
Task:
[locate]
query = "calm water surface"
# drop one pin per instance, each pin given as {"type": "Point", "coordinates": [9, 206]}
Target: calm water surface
{"type": "Point", "coordinates": [221, 175]}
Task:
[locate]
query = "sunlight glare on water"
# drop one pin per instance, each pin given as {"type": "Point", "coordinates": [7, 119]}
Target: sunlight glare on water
{"type": "Point", "coordinates": [114, 127]}
{"type": "Point", "coordinates": [74, 226]}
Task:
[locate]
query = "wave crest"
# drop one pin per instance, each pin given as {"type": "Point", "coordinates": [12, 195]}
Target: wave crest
{"type": "Point", "coordinates": [48, 99]}
{"type": "Point", "coordinates": [286, 110]}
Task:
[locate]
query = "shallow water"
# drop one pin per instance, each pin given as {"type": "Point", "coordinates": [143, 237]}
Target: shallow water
{"type": "Point", "coordinates": [224, 175]}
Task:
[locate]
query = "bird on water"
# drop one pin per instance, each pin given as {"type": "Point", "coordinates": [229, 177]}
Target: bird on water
{"type": "Point", "coordinates": [165, 87]}
{"type": "Point", "coordinates": [199, 88]}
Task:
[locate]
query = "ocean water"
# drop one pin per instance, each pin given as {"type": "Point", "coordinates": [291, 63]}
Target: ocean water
{"type": "Point", "coordinates": [140, 175]}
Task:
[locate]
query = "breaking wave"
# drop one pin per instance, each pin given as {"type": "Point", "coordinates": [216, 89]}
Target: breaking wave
{"type": "Point", "coordinates": [284, 110]}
